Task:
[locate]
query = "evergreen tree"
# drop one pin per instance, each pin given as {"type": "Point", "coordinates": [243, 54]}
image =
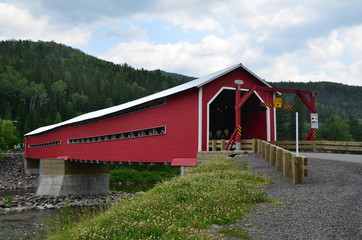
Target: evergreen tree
{"type": "Point", "coordinates": [355, 128]}
{"type": "Point", "coordinates": [335, 129]}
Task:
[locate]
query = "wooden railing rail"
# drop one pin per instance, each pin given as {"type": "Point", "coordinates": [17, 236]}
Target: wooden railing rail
{"type": "Point", "coordinates": [322, 146]}
{"type": "Point", "coordinates": [288, 162]}
{"type": "Point", "coordinates": [219, 145]}
{"type": "Point", "coordinates": [293, 166]}
{"type": "Point", "coordinates": [11, 152]}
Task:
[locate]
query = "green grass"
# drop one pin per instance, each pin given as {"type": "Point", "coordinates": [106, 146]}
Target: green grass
{"type": "Point", "coordinates": [142, 173]}
{"type": "Point", "coordinates": [7, 200]}
{"type": "Point", "coordinates": [179, 208]}
{"type": "Point", "coordinates": [236, 232]}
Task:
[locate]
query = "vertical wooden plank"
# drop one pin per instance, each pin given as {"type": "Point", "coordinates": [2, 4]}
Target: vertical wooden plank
{"type": "Point", "coordinates": [255, 145]}
{"type": "Point", "coordinates": [305, 172]}
{"type": "Point", "coordinates": [297, 169]}
{"type": "Point", "coordinates": [287, 164]}
{"type": "Point", "coordinates": [223, 144]}
{"type": "Point", "coordinates": [267, 152]}
{"type": "Point", "coordinates": [272, 155]}
{"type": "Point", "coordinates": [305, 169]}
{"type": "Point", "coordinates": [279, 159]}
{"type": "Point", "coordinates": [305, 161]}
{"type": "Point", "coordinates": [213, 144]}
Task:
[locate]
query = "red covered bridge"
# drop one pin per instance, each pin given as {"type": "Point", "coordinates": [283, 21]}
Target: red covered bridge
{"type": "Point", "coordinates": [172, 124]}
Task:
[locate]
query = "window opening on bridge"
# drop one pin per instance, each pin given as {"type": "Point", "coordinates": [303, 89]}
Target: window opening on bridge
{"type": "Point", "coordinates": [121, 136]}
{"type": "Point", "coordinates": [48, 144]}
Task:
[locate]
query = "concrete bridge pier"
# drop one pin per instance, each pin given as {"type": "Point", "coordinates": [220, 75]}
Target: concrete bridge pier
{"type": "Point", "coordinates": [59, 178]}
{"type": "Point", "coordinates": [31, 166]}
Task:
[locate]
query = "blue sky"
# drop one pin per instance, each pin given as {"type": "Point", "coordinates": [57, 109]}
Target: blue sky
{"type": "Point", "coordinates": [279, 40]}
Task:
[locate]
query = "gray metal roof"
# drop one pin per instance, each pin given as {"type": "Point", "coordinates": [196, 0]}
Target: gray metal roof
{"type": "Point", "coordinates": [192, 84]}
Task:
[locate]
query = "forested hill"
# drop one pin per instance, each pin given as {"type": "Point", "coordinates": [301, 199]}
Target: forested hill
{"type": "Point", "coordinates": [332, 98]}
{"type": "Point", "coordinates": [42, 83]}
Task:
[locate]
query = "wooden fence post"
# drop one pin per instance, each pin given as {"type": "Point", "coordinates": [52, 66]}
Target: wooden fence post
{"type": "Point", "coordinates": [255, 145]}
{"type": "Point", "coordinates": [305, 169]}
{"type": "Point", "coordinates": [272, 155]}
{"type": "Point", "coordinates": [263, 149]}
{"type": "Point", "coordinates": [259, 147]}
{"type": "Point", "coordinates": [213, 145]}
{"type": "Point", "coordinates": [297, 169]}
{"type": "Point", "coordinates": [287, 164]}
{"type": "Point", "coordinates": [279, 159]}
{"type": "Point", "coordinates": [267, 152]}
{"type": "Point", "coordinates": [222, 144]}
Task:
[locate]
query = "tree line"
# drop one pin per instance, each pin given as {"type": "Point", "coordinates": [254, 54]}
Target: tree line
{"type": "Point", "coordinates": [333, 125]}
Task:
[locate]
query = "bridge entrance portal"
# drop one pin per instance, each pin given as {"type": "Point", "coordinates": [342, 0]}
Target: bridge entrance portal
{"type": "Point", "coordinates": [222, 116]}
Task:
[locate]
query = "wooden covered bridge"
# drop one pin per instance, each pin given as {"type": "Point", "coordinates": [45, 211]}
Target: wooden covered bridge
{"type": "Point", "coordinates": [169, 127]}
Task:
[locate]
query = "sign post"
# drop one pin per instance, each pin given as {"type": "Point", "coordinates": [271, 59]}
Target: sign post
{"type": "Point", "coordinates": [237, 115]}
{"type": "Point", "coordinates": [296, 134]}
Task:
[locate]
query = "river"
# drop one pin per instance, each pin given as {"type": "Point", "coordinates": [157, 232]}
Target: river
{"type": "Point", "coordinates": [23, 225]}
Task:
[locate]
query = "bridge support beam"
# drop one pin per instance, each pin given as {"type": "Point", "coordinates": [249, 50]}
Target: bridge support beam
{"type": "Point", "coordinates": [59, 178]}
{"type": "Point", "coordinates": [31, 166]}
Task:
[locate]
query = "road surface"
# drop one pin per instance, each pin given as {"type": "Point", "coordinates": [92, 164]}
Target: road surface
{"type": "Point", "coordinates": [355, 158]}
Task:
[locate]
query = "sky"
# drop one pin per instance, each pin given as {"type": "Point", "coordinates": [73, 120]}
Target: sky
{"type": "Point", "coordinates": [279, 40]}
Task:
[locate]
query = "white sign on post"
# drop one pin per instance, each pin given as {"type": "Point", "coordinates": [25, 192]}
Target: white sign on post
{"type": "Point", "coordinates": [314, 120]}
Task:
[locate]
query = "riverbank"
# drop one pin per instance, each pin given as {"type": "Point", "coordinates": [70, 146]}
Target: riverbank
{"type": "Point", "coordinates": [12, 175]}
{"type": "Point", "coordinates": [31, 201]}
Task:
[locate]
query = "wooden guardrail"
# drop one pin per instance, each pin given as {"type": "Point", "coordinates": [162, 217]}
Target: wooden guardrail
{"type": "Point", "coordinates": [293, 166]}
{"type": "Point", "coordinates": [219, 145]}
{"type": "Point", "coordinates": [11, 152]}
{"type": "Point", "coordinates": [288, 162]}
{"type": "Point", "coordinates": [322, 146]}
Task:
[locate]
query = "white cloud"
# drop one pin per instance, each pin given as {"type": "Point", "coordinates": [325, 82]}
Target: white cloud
{"type": "Point", "coordinates": [18, 23]}
{"type": "Point", "coordinates": [209, 55]}
{"type": "Point", "coordinates": [291, 67]}
{"type": "Point", "coordinates": [352, 38]}
{"type": "Point", "coordinates": [263, 14]}
{"type": "Point", "coordinates": [333, 65]}
{"type": "Point", "coordinates": [328, 47]}
{"type": "Point", "coordinates": [356, 69]}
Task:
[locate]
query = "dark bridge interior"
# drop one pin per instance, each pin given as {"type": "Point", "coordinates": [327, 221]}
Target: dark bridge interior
{"type": "Point", "coordinates": [222, 114]}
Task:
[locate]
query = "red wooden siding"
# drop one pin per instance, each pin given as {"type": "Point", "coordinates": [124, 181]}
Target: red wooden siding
{"type": "Point", "coordinates": [179, 115]}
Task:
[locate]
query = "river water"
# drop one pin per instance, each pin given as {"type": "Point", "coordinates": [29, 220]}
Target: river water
{"type": "Point", "coordinates": [23, 225]}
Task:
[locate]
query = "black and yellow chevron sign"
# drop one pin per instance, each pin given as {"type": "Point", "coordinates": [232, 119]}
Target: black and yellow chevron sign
{"type": "Point", "coordinates": [267, 104]}
{"type": "Point", "coordinates": [286, 106]}
{"type": "Point", "coordinates": [239, 130]}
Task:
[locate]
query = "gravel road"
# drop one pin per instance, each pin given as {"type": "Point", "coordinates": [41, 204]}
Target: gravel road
{"type": "Point", "coordinates": [328, 205]}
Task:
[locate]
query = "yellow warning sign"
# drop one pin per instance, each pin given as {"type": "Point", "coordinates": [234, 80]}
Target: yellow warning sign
{"type": "Point", "coordinates": [278, 102]}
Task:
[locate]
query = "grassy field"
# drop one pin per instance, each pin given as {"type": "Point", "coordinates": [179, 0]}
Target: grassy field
{"type": "Point", "coordinates": [179, 208]}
